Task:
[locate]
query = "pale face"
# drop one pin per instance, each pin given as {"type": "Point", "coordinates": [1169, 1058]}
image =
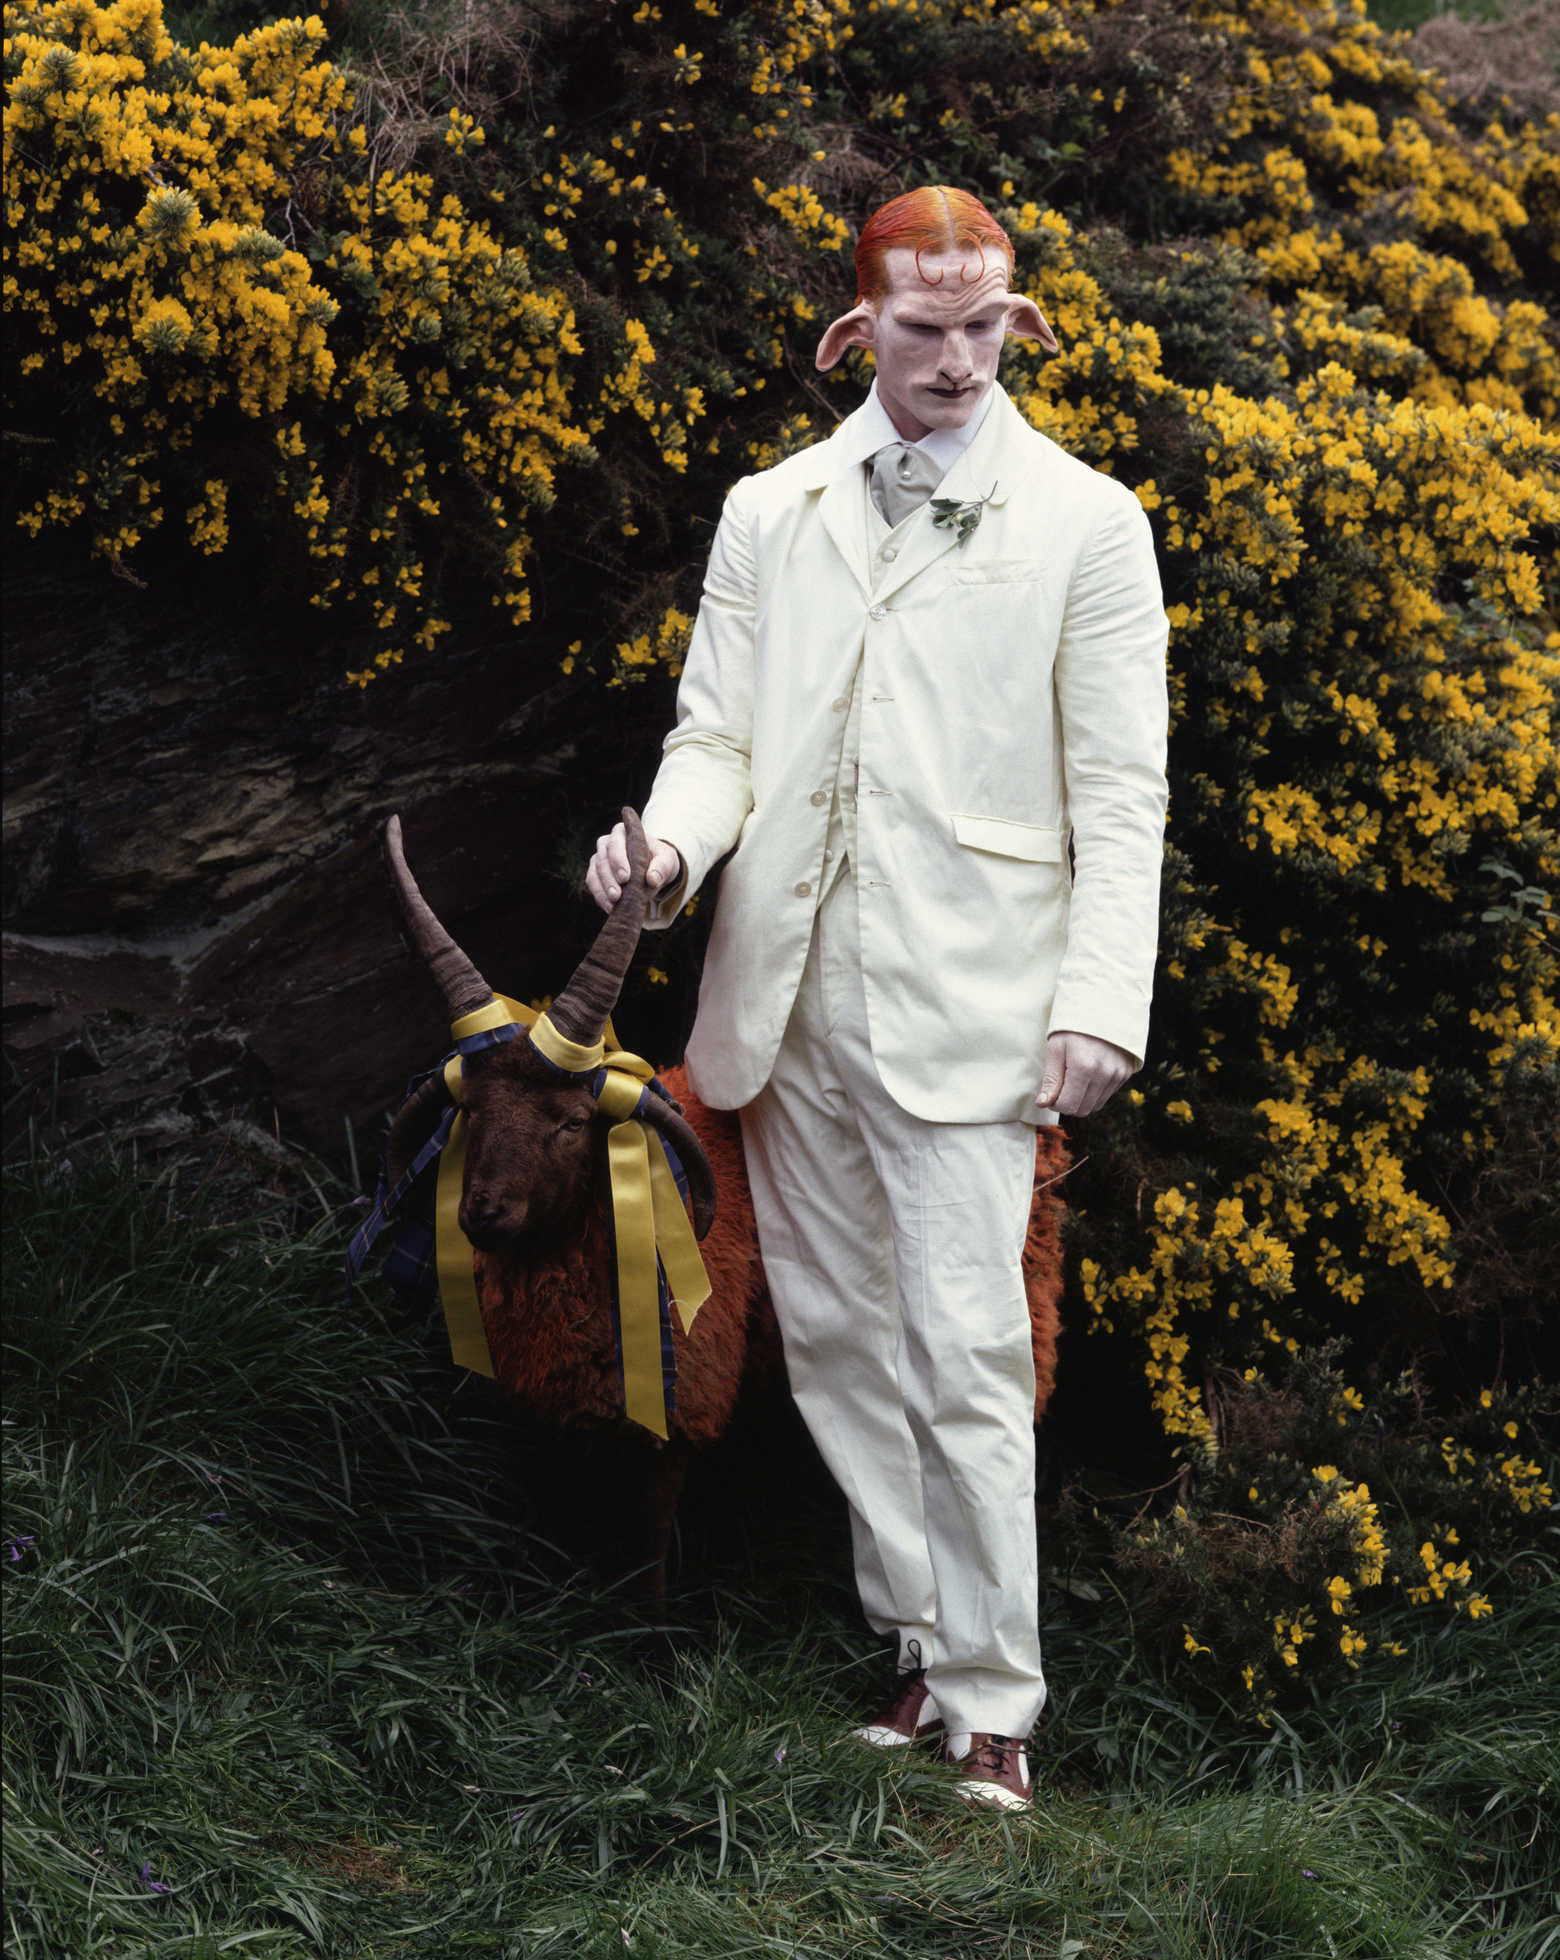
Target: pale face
{"type": "Point", "coordinates": [937, 344]}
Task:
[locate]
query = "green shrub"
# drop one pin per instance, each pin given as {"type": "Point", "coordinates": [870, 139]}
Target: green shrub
{"type": "Point", "coordinates": [502, 334]}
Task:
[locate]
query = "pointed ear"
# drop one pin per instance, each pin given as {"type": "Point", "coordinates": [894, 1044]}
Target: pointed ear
{"type": "Point", "coordinates": [853, 329]}
{"type": "Point", "coordinates": [1026, 322]}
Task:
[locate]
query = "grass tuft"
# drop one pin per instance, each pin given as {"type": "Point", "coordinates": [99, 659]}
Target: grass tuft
{"type": "Point", "coordinates": [289, 1670]}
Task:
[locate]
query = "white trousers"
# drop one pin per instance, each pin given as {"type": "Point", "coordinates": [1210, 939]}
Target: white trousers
{"type": "Point", "coordinates": [893, 1252]}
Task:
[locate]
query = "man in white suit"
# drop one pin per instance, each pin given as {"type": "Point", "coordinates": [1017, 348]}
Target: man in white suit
{"type": "Point", "coordinates": [929, 656]}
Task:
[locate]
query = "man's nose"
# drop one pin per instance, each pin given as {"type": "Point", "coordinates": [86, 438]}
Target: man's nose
{"type": "Point", "coordinates": [955, 356]}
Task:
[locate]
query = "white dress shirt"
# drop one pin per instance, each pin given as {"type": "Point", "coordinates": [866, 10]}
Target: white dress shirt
{"type": "Point", "coordinates": [944, 446]}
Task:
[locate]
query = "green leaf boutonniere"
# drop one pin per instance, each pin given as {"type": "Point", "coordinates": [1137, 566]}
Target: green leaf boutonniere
{"type": "Point", "coordinates": [949, 514]}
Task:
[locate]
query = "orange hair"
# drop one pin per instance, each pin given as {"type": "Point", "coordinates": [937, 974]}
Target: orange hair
{"type": "Point", "coordinates": [936, 218]}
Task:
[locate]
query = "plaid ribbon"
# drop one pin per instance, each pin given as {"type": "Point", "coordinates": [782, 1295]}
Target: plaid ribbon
{"type": "Point", "coordinates": [412, 1262]}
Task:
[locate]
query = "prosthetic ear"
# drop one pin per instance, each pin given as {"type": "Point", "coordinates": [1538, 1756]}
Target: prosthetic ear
{"type": "Point", "coordinates": [1026, 322]}
{"type": "Point", "coordinates": [854, 329]}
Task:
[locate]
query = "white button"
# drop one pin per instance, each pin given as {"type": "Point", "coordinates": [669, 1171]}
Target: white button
{"type": "Point", "coordinates": [804, 890]}
{"type": "Point", "coordinates": [840, 704]}
{"type": "Point", "coordinates": [827, 855]}
{"type": "Point", "coordinates": [891, 551]}
{"type": "Point", "coordinates": [877, 612]}
{"type": "Point", "coordinates": [817, 799]}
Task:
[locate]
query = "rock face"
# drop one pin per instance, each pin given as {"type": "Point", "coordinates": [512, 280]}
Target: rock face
{"type": "Point", "coordinates": [197, 926]}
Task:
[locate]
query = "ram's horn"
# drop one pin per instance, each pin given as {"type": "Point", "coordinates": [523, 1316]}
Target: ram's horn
{"type": "Point", "coordinates": [580, 1012]}
{"type": "Point", "coordinates": [463, 988]}
{"type": "Point", "coordinates": [658, 1114]}
{"type": "Point", "coordinates": [416, 1122]}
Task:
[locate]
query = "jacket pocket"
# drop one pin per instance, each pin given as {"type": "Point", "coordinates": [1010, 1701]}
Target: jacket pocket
{"type": "Point", "coordinates": [999, 571]}
{"type": "Point", "coordinates": [1037, 843]}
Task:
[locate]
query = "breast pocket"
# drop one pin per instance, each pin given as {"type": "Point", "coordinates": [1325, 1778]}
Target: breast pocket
{"type": "Point", "coordinates": [1000, 571]}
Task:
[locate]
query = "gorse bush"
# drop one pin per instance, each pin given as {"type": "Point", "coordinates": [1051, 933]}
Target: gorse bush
{"type": "Point", "coordinates": [1287, 1553]}
{"type": "Point", "coordinates": [497, 327]}
{"type": "Point", "coordinates": [199, 365]}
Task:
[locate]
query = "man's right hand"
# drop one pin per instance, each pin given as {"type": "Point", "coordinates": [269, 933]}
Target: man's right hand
{"type": "Point", "coordinates": [609, 868]}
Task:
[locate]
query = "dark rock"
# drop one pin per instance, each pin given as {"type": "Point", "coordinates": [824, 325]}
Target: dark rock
{"type": "Point", "coordinates": [198, 927]}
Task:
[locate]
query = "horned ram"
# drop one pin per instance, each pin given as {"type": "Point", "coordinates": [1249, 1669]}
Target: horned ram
{"type": "Point", "coordinates": [534, 1207]}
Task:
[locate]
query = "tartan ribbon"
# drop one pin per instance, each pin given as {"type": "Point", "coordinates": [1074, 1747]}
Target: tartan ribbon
{"type": "Point", "coordinates": [656, 1260]}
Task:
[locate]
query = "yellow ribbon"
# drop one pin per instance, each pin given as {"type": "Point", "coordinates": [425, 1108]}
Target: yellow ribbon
{"type": "Point", "coordinates": [648, 1217]}
{"type": "Point", "coordinates": [452, 1249]}
{"type": "Point", "coordinates": [562, 1052]}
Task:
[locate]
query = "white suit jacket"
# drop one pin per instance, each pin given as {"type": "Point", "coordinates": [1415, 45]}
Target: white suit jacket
{"type": "Point", "coordinates": [1013, 698]}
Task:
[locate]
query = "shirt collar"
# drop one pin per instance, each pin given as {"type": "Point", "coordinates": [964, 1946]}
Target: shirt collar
{"type": "Point", "coordinates": [944, 446]}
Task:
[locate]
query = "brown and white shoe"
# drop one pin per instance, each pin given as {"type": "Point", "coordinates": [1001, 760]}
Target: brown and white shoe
{"type": "Point", "coordinates": [993, 1770]}
{"type": "Point", "coordinates": [910, 1715]}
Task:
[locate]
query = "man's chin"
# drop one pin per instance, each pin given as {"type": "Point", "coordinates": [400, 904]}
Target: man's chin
{"type": "Point", "coordinates": [949, 411]}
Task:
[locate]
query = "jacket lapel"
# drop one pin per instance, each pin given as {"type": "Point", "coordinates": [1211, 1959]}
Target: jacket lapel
{"type": "Point", "coordinates": [982, 472]}
{"type": "Point", "coordinates": [843, 510]}
{"type": "Point", "coordinates": [978, 473]}
{"type": "Point", "coordinates": [835, 474]}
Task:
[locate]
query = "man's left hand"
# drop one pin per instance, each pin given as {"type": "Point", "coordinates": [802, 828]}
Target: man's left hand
{"type": "Point", "coordinates": [1082, 1073]}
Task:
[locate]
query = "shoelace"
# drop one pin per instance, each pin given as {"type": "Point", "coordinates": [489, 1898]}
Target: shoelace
{"type": "Point", "coordinates": [907, 1685]}
{"type": "Point", "coordinates": [989, 1753]}
{"type": "Point", "coordinates": [911, 1679]}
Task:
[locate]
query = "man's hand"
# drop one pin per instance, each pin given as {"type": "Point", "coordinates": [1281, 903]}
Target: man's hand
{"type": "Point", "coordinates": [1082, 1073]}
{"type": "Point", "coordinates": [608, 872]}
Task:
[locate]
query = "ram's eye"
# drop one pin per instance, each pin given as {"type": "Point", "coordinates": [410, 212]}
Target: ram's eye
{"type": "Point", "coordinates": [571, 1125]}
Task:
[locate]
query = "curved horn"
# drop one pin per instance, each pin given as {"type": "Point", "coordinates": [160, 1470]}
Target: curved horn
{"type": "Point", "coordinates": [463, 988]}
{"type": "Point", "coordinates": [580, 1012]}
{"type": "Point", "coordinates": [679, 1133]}
{"type": "Point", "coordinates": [412, 1128]}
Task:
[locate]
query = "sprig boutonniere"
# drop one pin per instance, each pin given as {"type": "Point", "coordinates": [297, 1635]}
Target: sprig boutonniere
{"type": "Point", "coordinates": [949, 514]}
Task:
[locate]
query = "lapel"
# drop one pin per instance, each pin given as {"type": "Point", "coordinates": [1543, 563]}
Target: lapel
{"type": "Point", "coordinates": [834, 469]}
{"type": "Point", "coordinates": [984, 470]}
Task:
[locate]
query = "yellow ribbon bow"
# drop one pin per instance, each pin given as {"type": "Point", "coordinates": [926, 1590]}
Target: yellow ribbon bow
{"type": "Point", "coordinates": [648, 1218]}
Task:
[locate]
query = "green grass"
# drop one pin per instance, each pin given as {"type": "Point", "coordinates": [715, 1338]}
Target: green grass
{"type": "Point", "coordinates": [282, 1639]}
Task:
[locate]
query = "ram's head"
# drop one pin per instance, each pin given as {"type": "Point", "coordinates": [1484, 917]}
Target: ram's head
{"type": "Point", "coordinates": [534, 1157]}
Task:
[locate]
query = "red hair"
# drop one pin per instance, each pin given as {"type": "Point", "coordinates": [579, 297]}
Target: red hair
{"type": "Point", "coordinates": [936, 218]}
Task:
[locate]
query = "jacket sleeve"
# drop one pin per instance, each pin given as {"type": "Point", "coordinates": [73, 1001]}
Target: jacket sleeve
{"type": "Point", "coordinates": [703, 789]}
{"type": "Point", "coordinates": [1113, 711]}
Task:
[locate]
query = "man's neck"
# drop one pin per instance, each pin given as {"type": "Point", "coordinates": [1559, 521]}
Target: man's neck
{"type": "Point", "coordinates": [946, 444]}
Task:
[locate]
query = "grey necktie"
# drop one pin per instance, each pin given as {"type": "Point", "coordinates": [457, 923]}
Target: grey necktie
{"type": "Point", "coordinates": [903, 477]}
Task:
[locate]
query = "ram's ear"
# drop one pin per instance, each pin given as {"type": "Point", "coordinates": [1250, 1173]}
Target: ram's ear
{"type": "Point", "coordinates": [857, 328]}
{"type": "Point", "coordinates": [1025, 321]}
